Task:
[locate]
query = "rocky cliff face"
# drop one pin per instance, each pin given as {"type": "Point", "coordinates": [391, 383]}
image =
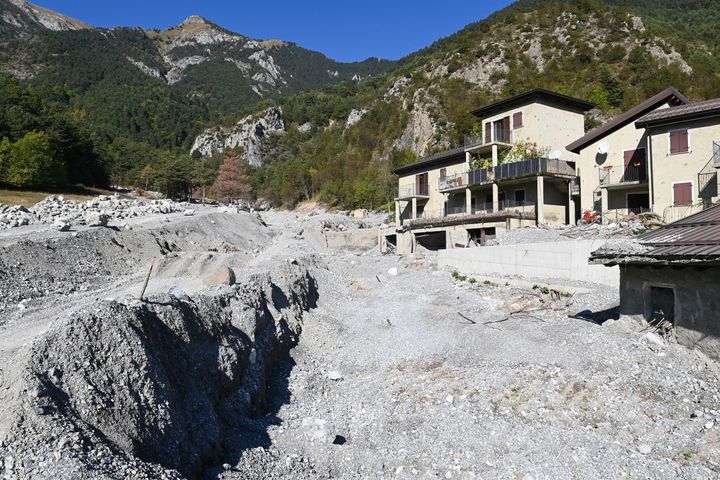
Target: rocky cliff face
{"type": "Point", "coordinates": [249, 134]}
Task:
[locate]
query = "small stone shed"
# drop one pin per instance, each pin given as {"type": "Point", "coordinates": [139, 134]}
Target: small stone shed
{"type": "Point", "coordinates": [673, 273]}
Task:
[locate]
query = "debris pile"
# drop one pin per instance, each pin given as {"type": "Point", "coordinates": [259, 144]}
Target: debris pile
{"type": "Point", "coordinates": [56, 210]}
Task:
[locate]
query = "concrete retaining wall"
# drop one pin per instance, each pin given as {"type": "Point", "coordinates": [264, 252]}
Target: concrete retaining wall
{"type": "Point", "coordinates": [559, 260]}
{"type": "Point", "coordinates": [363, 239]}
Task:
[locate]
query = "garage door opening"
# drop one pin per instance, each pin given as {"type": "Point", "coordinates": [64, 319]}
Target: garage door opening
{"type": "Point", "coordinates": [431, 241]}
{"type": "Point", "coordinates": [661, 306]}
{"type": "Point", "coordinates": [480, 236]}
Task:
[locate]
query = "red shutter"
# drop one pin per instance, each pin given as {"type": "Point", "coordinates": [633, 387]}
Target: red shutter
{"type": "Point", "coordinates": [518, 120]}
{"type": "Point", "coordinates": [679, 141]}
{"type": "Point", "coordinates": [682, 194]}
{"type": "Point", "coordinates": [506, 129]}
{"type": "Point", "coordinates": [488, 132]}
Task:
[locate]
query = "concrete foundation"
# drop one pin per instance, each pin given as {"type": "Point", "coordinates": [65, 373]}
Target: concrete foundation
{"type": "Point", "coordinates": [696, 313]}
{"type": "Point", "coordinates": [363, 239]}
{"type": "Point", "coordinates": [556, 261]}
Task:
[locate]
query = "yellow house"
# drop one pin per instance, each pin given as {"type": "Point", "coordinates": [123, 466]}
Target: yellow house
{"type": "Point", "coordinates": [469, 193]}
{"type": "Point", "coordinates": [684, 147]}
{"type": "Point", "coordinates": [613, 161]}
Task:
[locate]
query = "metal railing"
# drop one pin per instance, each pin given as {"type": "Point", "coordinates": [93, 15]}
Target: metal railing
{"type": "Point", "coordinates": [534, 166]}
{"type": "Point", "coordinates": [409, 191]}
{"type": "Point", "coordinates": [621, 174]}
{"type": "Point", "coordinates": [674, 213]}
{"type": "Point", "coordinates": [479, 140]}
{"type": "Point", "coordinates": [708, 176]}
{"type": "Point", "coordinates": [455, 210]}
{"type": "Point", "coordinates": [622, 214]}
{"type": "Point", "coordinates": [451, 182]}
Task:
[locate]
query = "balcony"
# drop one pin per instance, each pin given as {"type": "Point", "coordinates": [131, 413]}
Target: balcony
{"type": "Point", "coordinates": [453, 182]}
{"type": "Point", "coordinates": [472, 141]}
{"type": "Point", "coordinates": [413, 191]}
{"type": "Point", "coordinates": [458, 215]}
{"type": "Point", "coordinates": [623, 176]}
{"type": "Point", "coordinates": [533, 167]}
{"type": "Point", "coordinates": [508, 171]}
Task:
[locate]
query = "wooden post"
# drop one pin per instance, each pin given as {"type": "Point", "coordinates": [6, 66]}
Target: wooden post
{"type": "Point", "coordinates": [147, 280]}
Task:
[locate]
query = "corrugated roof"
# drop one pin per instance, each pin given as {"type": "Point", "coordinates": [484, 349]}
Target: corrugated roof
{"type": "Point", "coordinates": [668, 95]}
{"type": "Point", "coordinates": [438, 158]}
{"type": "Point", "coordinates": [530, 95]}
{"type": "Point", "coordinates": [683, 112]}
{"type": "Point", "coordinates": [693, 239]}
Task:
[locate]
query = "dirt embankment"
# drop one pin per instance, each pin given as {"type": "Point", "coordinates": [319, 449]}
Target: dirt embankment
{"type": "Point", "coordinates": [162, 380]}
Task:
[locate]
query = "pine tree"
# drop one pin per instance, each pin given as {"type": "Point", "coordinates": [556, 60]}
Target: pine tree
{"type": "Point", "coordinates": [231, 183]}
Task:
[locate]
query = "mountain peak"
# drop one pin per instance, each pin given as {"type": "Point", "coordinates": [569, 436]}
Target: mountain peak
{"type": "Point", "coordinates": [195, 20]}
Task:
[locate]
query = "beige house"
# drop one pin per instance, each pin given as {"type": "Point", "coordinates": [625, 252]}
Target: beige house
{"type": "Point", "coordinates": [613, 161]}
{"type": "Point", "coordinates": [469, 193]}
{"type": "Point", "coordinates": [660, 156]}
{"type": "Point", "coordinates": [684, 147]}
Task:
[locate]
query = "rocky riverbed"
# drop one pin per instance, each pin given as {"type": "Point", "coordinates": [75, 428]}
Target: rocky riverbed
{"type": "Point", "coordinates": [324, 363]}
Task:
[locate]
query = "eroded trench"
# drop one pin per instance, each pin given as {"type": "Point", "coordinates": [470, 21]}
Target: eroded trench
{"type": "Point", "coordinates": [173, 381]}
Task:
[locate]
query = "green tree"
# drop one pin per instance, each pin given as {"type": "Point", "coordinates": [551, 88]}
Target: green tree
{"type": "Point", "coordinates": [34, 162]}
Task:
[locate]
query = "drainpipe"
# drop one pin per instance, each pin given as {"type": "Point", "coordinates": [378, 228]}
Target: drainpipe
{"type": "Point", "coordinates": [649, 167]}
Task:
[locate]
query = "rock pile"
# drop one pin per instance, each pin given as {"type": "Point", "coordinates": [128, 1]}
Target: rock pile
{"type": "Point", "coordinates": [56, 210]}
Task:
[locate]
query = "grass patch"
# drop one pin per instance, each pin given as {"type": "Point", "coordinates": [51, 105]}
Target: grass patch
{"type": "Point", "coordinates": [28, 198]}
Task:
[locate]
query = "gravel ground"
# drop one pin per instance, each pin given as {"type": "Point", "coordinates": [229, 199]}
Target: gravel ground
{"type": "Point", "coordinates": [401, 370]}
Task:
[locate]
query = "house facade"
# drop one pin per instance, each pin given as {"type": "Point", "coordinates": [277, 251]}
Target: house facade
{"type": "Point", "coordinates": [684, 145]}
{"type": "Point", "coordinates": [470, 193]}
{"type": "Point", "coordinates": [613, 161]}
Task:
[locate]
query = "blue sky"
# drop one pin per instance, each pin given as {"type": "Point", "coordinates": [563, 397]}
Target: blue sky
{"type": "Point", "coordinates": [346, 31]}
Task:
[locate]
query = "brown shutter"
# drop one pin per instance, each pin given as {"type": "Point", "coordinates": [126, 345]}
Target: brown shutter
{"type": "Point", "coordinates": [517, 120]}
{"type": "Point", "coordinates": [628, 157]}
{"type": "Point", "coordinates": [443, 172]}
{"type": "Point", "coordinates": [682, 193]}
{"type": "Point", "coordinates": [679, 141]}
{"type": "Point", "coordinates": [506, 129]}
{"type": "Point", "coordinates": [488, 132]}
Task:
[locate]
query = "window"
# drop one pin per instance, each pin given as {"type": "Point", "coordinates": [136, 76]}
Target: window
{"type": "Point", "coordinates": [660, 306]}
{"type": "Point", "coordinates": [682, 193]}
{"type": "Point", "coordinates": [635, 170]}
{"type": "Point", "coordinates": [488, 132]}
{"type": "Point", "coordinates": [518, 120]}
{"type": "Point", "coordinates": [443, 172]}
{"type": "Point", "coordinates": [501, 130]}
{"type": "Point", "coordinates": [520, 195]}
{"type": "Point", "coordinates": [679, 141]}
{"type": "Point", "coordinates": [421, 184]}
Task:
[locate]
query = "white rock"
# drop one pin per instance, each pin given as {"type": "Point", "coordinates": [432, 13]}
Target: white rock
{"type": "Point", "coordinates": [335, 375]}
{"type": "Point", "coordinates": [709, 425]}
{"type": "Point", "coordinates": [318, 430]}
{"type": "Point", "coordinates": [644, 449]}
{"type": "Point", "coordinates": [654, 339]}
{"type": "Point", "coordinates": [393, 272]}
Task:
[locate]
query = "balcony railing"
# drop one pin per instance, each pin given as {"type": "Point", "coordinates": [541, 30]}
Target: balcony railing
{"type": "Point", "coordinates": [479, 141]}
{"type": "Point", "coordinates": [451, 182]}
{"type": "Point", "coordinates": [534, 166]}
{"type": "Point", "coordinates": [410, 191]}
{"type": "Point", "coordinates": [525, 208]}
{"type": "Point", "coordinates": [620, 175]}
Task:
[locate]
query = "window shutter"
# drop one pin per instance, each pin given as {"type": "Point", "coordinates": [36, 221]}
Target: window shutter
{"type": "Point", "coordinates": [488, 132]}
{"type": "Point", "coordinates": [506, 130]}
{"type": "Point", "coordinates": [682, 194]}
{"type": "Point", "coordinates": [518, 120]}
{"type": "Point", "coordinates": [443, 172]}
{"type": "Point", "coordinates": [679, 141]}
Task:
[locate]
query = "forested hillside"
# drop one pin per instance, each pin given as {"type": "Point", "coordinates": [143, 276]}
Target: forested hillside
{"type": "Point", "coordinates": [610, 55]}
{"type": "Point", "coordinates": [137, 99]}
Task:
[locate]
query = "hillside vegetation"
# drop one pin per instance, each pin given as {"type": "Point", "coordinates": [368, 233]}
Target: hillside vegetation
{"type": "Point", "coordinates": [603, 53]}
{"type": "Point", "coordinates": [136, 99]}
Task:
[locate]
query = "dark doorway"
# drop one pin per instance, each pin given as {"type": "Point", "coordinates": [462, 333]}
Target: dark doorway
{"type": "Point", "coordinates": [662, 305]}
{"type": "Point", "coordinates": [480, 236]}
{"type": "Point", "coordinates": [432, 241]}
{"type": "Point", "coordinates": [638, 202]}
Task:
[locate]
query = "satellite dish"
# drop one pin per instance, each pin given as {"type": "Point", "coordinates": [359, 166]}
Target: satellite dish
{"type": "Point", "coordinates": [555, 154]}
{"type": "Point", "coordinates": [603, 148]}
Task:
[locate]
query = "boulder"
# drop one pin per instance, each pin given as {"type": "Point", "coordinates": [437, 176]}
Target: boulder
{"type": "Point", "coordinates": [96, 219]}
{"type": "Point", "coordinates": [223, 276]}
